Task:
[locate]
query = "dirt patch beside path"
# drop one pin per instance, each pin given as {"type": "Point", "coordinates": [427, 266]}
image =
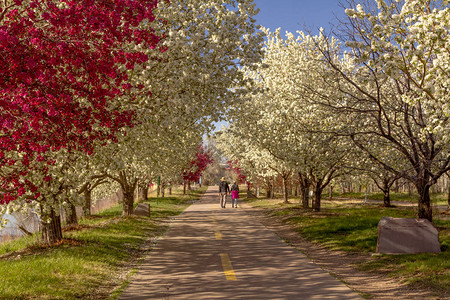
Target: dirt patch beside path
{"type": "Point", "coordinates": [341, 264]}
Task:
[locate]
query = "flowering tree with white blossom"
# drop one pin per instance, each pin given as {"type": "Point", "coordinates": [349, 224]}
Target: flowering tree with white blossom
{"type": "Point", "coordinates": [180, 97]}
{"type": "Point", "coordinates": [385, 92]}
{"type": "Point", "coordinates": [184, 88]}
{"type": "Point", "coordinates": [396, 92]}
{"type": "Point", "coordinates": [283, 120]}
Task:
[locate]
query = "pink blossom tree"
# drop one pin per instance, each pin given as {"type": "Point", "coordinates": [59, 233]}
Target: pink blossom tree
{"type": "Point", "coordinates": [203, 158]}
{"type": "Point", "coordinates": [234, 167]}
{"type": "Point", "coordinates": [64, 63]}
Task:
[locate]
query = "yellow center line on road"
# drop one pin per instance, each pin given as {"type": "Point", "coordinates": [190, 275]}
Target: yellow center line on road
{"type": "Point", "coordinates": [227, 267]}
{"type": "Point", "coordinates": [218, 235]}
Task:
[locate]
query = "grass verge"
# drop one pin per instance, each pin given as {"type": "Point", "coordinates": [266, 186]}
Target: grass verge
{"type": "Point", "coordinates": [353, 228]}
{"type": "Point", "coordinates": [89, 261]}
{"type": "Point", "coordinates": [436, 198]}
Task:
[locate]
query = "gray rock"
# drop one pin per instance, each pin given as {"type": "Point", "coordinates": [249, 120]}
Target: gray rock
{"type": "Point", "coordinates": [402, 235]}
{"type": "Point", "coordinates": [142, 209]}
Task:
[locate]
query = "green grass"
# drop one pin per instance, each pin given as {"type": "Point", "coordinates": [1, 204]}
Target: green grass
{"type": "Point", "coordinates": [426, 270]}
{"type": "Point", "coordinates": [353, 228]}
{"type": "Point", "coordinates": [90, 259]}
{"type": "Point", "coordinates": [18, 244]}
{"type": "Point", "coordinates": [348, 229]}
{"type": "Point", "coordinates": [436, 198]}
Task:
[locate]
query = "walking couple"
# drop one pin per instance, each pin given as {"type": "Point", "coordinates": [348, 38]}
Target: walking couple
{"type": "Point", "coordinates": [224, 189]}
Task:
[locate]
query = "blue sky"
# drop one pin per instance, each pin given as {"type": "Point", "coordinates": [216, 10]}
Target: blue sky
{"type": "Point", "coordinates": [293, 15]}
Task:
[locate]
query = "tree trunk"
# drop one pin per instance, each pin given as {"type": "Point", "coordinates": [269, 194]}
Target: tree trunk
{"type": "Point", "coordinates": [272, 191]}
{"type": "Point", "coordinates": [425, 210]}
{"type": "Point", "coordinates": [317, 197]}
{"type": "Point", "coordinates": [330, 192]}
{"type": "Point", "coordinates": [184, 187]}
{"type": "Point", "coordinates": [51, 229]}
{"type": "Point", "coordinates": [128, 201]}
{"type": "Point", "coordinates": [71, 219]}
{"type": "Point", "coordinates": [305, 198]}
{"type": "Point", "coordinates": [448, 191]}
{"type": "Point", "coordinates": [386, 194]}
{"type": "Point", "coordinates": [409, 189]}
{"type": "Point", "coordinates": [304, 190]}
{"type": "Point", "coordinates": [170, 191]}
{"type": "Point", "coordinates": [386, 198]}
{"type": "Point", "coordinates": [396, 186]}
{"type": "Point", "coordinates": [189, 185]}
{"type": "Point", "coordinates": [285, 191]}
{"type": "Point", "coordinates": [142, 192]}
{"type": "Point", "coordinates": [269, 190]}
{"type": "Point", "coordinates": [448, 196]}
{"type": "Point", "coordinates": [87, 202]}
{"type": "Point", "coordinates": [145, 192]}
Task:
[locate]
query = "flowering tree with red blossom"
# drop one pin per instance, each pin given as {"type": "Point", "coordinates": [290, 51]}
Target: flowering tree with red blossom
{"type": "Point", "coordinates": [234, 167]}
{"type": "Point", "coordinates": [203, 158]}
{"type": "Point", "coordinates": [64, 65]}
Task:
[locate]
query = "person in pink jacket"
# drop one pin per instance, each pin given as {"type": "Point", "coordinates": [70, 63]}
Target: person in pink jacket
{"type": "Point", "coordinates": [234, 195]}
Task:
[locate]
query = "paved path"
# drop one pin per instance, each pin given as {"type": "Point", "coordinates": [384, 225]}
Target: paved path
{"type": "Point", "coordinates": [214, 253]}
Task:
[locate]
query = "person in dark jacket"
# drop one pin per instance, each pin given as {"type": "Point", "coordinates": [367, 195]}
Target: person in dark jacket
{"type": "Point", "coordinates": [224, 189]}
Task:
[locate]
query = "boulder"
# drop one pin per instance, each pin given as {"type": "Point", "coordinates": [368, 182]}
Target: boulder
{"type": "Point", "coordinates": [402, 235]}
{"type": "Point", "coordinates": [142, 209]}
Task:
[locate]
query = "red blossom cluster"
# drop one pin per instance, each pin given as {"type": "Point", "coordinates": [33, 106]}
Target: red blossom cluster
{"type": "Point", "coordinates": [241, 178]}
{"type": "Point", "coordinates": [202, 159]}
{"type": "Point", "coordinates": [60, 68]}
